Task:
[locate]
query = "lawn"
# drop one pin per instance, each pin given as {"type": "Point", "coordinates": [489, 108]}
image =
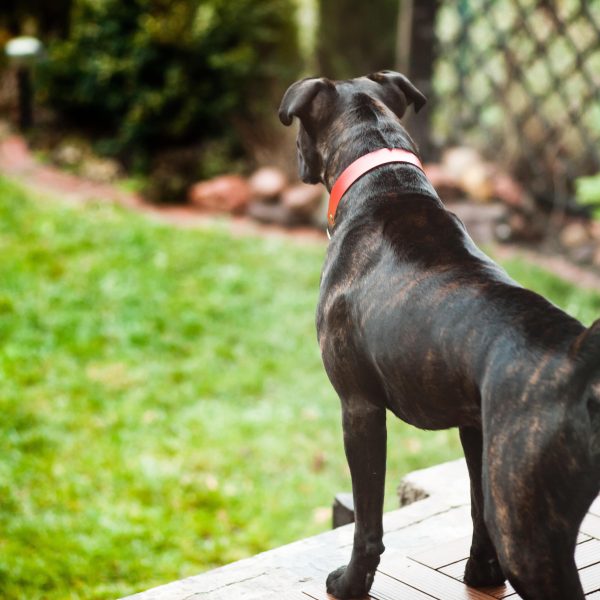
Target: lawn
{"type": "Point", "coordinates": [164, 409]}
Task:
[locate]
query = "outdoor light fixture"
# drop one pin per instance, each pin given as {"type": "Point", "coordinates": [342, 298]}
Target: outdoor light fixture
{"type": "Point", "coordinates": [23, 52]}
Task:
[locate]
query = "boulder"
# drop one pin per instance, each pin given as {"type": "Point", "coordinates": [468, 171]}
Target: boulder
{"type": "Point", "coordinates": [583, 254]}
{"type": "Point", "coordinates": [69, 153]}
{"type": "Point", "coordinates": [267, 183]}
{"type": "Point", "coordinates": [459, 159]}
{"type": "Point", "coordinates": [509, 191]}
{"type": "Point", "coordinates": [596, 257]}
{"type": "Point", "coordinates": [594, 229]}
{"type": "Point", "coordinates": [480, 220]}
{"type": "Point", "coordinates": [481, 180]}
{"type": "Point", "coordinates": [442, 180]}
{"type": "Point", "coordinates": [463, 170]}
{"type": "Point", "coordinates": [226, 193]}
{"type": "Point", "coordinates": [266, 212]}
{"type": "Point", "coordinates": [302, 198]}
{"type": "Point", "coordinates": [477, 181]}
{"type": "Point", "coordinates": [573, 235]}
{"type": "Point", "coordinates": [103, 170]}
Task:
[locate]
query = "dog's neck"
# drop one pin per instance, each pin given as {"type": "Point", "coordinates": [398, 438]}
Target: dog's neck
{"type": "Point", "coordinates": [363, 129]}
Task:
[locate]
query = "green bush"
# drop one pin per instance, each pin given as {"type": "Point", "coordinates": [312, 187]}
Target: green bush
{"type": "Point", "coordinates": [347, 45]}
{"type": "Point", "coordinates": [146, 74]}
{"type": "Point", "coordinates": [588, 193]}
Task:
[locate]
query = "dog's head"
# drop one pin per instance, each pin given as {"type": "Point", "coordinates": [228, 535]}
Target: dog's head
{"type": "Point", "coordinates": [323, 106]}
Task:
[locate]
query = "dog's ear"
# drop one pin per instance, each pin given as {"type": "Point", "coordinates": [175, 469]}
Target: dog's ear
{"type": "Point", "coordinates": [300, 96]}
{"type": "Point", "coordinates": [400, 82]}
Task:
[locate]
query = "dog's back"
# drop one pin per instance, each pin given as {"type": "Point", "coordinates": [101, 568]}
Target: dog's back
{"type": "Point", "coordinates": [434, 318]}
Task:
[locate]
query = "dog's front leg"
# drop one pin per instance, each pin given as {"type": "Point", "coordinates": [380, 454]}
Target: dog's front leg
{"type": "Point", "coordinates": [365, 445]}
{"type": "Point", "coordinates": [483, 568]}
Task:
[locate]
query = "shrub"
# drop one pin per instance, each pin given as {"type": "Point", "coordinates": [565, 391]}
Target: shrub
{"type": "Point", "coordinates": [146, 74]}
{"type": "Point", "coordinates": [348, 47]}
{"type": "Point", "coordinates": [588, 193]}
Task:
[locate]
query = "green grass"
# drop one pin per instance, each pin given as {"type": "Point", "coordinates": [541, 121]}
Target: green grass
{"type": "Point", "coordinates": [164, 408]}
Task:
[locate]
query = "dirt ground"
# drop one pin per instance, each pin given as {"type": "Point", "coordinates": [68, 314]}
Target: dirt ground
{"type": "Point", "coordinates": [18, 162]}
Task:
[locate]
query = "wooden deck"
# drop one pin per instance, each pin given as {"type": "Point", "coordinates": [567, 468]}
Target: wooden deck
{"type": "Point", "coordinates": [438, 571]}
{"type": "Point", "coordinates": [427, 544]}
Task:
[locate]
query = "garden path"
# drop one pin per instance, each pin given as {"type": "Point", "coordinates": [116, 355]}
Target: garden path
{"type": "Point", "coordinates": [18, 161]}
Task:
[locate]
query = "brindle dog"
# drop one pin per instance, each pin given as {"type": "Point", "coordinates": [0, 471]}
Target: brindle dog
{"type": "Point", "coordinates": [414, 318]}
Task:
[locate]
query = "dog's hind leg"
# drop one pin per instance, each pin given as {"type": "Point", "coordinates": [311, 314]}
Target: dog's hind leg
{"type": "Point", "coordinates": [533, 512]}
{"type": "Point", "coordinates": [540, 567]}
{"type": "Point", "coordinates": [483, 568]}
{"type": "Point", "coordinates": [365, 444]}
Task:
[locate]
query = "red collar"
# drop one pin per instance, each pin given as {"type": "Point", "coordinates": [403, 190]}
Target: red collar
{"type": "Point", "coordinates": [360, 167]}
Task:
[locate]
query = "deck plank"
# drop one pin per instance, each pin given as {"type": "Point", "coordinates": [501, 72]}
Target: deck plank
{"type": "Point", "coordinates": [427, 547]}
{"type": "Point", "coordinates": [388, 588]}
{"type": "Point", "coordinates": [587, 553]}
{"type": "Point", "coordinates": [457, 570]}
{"type": "Point", "coordinates": [445, 554]}
{"type": "Point", "coordinates": [384, 588]}
{"type": "Point", "coordinates": [433, 582]}
{"type": "Point", "coordinates": [591, 525]}
{"type": "Point", "coordinates": [590, 578]}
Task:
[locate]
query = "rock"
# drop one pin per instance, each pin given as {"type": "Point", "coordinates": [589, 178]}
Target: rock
{"type": "Point", "coordinates": [343, 510]}
{"type": "Point", "coordinates": [594, 230]}
{"type": "Point", "coordinates": [267, 183]}
{"type": "Point", "coordinates": [226, 193]}
{"type": "Point", "coordinates": [5, 129]}
{"type": "Point", "coordinates": [302, 198]}
{"type": "Point", "coordinates": [503, 232]}
{"type": "Point", "coordinates": [275, 213]}
{"type": "Point", "coordinates": [508, 190]}
{"type": "Point", "coordinates": [519, 227]}
{"type": "Point", "coordinates": [408, 493]}
{"type": "Point", "coordinates": [480, 219]}
{"type": "Point", "coordinates": [460, 159]}
{"type": "Point", "coordinates": [526, 227]}
{"type": "Point", "coordinates": [103, 170]}
{"type": "Point", "coordinates": [583, 254]}
{"type": "Point", "coordinates": [450, 480]}
{"type": "Point", "coordinates": [573, 235]}
{"type": "Point", "coordinates": [443, 181]}
{"type": "Point", "coordinates": [477, 181]}
{"type": "Point", "coordinates": [470, 172]}
{"type": "Point", "coordinates": [69, 154]}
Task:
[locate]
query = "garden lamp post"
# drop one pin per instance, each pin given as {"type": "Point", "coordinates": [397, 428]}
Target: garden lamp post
{"type": "Point", "coordinates": [22, 53]}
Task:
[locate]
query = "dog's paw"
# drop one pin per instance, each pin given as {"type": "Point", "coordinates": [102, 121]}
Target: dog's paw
{"type": "Point", "coordinates": [340, 585]}
{"type": "Point", "coordinates": [483, 573]}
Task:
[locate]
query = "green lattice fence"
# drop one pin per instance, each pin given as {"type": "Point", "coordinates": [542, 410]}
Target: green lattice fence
{"type": "Point", "coordinates": [520, 79]}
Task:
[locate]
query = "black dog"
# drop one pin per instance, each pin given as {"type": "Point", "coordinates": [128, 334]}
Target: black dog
{"type": "Point", "coordinates": [414, 318]}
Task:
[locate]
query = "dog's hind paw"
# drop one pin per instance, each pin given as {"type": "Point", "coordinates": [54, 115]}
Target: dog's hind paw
{"type": "Point", "coordinates": [483, 573]}
{"type": "Point", "coordinates": [344, 588]}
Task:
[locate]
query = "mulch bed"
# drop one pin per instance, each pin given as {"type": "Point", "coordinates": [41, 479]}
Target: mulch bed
{"type": "Point", "coordinates": [18, 162]}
